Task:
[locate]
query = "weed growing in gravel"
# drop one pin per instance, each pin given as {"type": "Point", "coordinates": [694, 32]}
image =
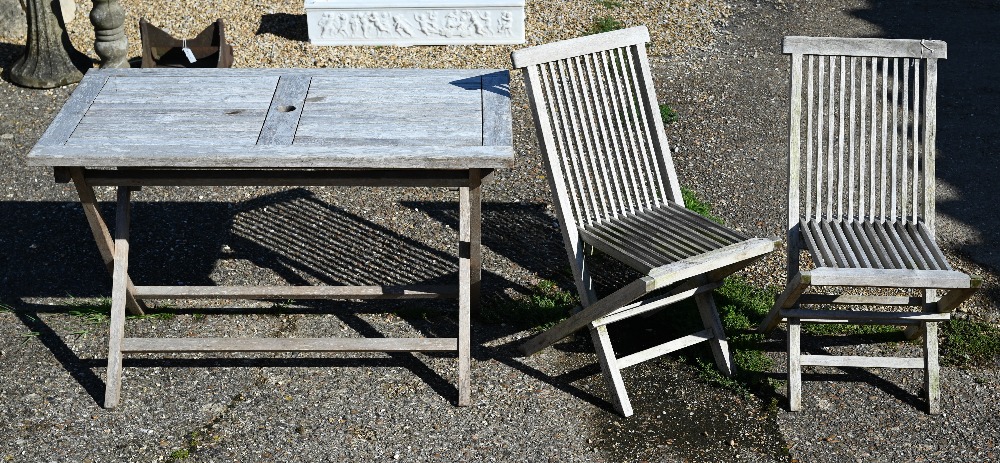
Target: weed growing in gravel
{"type": "Point", "coordinates": [543, 308]}
{"type": "Point", "coordinates": [605, 24]}
{"type": "Point", "coordinates": [609, 4]}
{"type": "Point", "coordinates": [98, 311]}
{"type": "Point", "coordinates": [668, 114]}
{"type": "Point", "coordinates": [692, 202]}
{"type": "Point", "coordinates": [967, 343]}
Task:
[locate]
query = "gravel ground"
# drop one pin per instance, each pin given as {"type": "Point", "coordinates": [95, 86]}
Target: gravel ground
{"type": "Point", "coordinates": [719, 65]}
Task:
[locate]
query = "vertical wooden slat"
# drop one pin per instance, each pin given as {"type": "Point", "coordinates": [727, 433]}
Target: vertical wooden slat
{"type": "Point", "coordinates": [932, 378]}
{"type": "Point", "coordinates": [872, 148]}
{"type": "Point", "coordinates": [581, 211]}
{"type": "Point", "coordinates": [615, 92]}
{"type": "Point", "coordinates": [809, 139]}
{"type": "Point", "coordinates": [831, 130]}
{"type": "Point", "coordinates": [580, 134]}
{"type": "Point", "coordinates": [885, 138]}
{"type": "Point", "coordinates": [930, 134]}
{"type": "Point", "coordinates": [904, 144]}
{"type": "Point", "coordinates": [665, 175]}
{"type": "Point", "coordinates": [618, 142]}
{"type": "Point", "coordinates": [918, 120]}
{"type": "Point", "coordinates": [840, 142]}
{"type": "Point", "coordinates": [589, 153]}
{"type": "Point", "coordinates": [535, 83]}
{"type": "Point", "coordinates": [599, 110]}
{"type": "Point", "coordinates": [862, 138]}
{"type": "Point", "coordinates": [645, 154]}
{"type": "Point", "coordinates": [625, 104]}
{"type": "Point", "coordinates": [851, 154]}
{"type": "Point", "coordinates": [896, 124]}
{"type": "Point", "coordinates": [794, 165]}
{"type": "Point", "coordinates": [819, 138]}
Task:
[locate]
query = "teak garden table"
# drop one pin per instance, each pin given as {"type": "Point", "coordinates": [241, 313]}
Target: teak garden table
{"type": "Point", "coordinates": [130, 128]}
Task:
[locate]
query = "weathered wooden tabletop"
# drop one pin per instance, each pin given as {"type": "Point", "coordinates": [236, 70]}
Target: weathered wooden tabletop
{"type": "Point", "coordinates": [283, 118]}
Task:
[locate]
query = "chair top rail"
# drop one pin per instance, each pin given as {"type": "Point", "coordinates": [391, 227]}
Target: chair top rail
{"type": "Point", "coordinates": [902, 48]}
{"type": "Point", "coordinates": [579, 46]}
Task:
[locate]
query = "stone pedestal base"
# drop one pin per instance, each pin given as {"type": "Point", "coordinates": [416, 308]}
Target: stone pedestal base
{"type": "Point", "coordinates": [49, 58]}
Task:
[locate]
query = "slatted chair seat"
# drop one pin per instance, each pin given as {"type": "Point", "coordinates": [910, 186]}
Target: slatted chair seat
{"type": "Point", "coordinates": [861, 198]}
{"type": "Point", "coordinates": [661, 235]}
{"type": "Point", "coordinates": [883, 245]}
{"type": "Point", "coordinates": [616, 191]}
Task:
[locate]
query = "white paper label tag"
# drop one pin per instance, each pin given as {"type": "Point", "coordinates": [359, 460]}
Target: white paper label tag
{"type": "Point", "coordinates": [189, 54]}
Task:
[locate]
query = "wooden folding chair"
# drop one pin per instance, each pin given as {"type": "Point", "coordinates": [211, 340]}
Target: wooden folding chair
{"type": "Point", "coordinates": [616, 191]}
{"type": "Point", "coordinates": [862, 203]}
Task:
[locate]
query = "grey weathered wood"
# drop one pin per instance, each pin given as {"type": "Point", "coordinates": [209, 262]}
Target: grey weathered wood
{"type": "Point", "coordinates": [172, 345]}
{"type": "Point", "coordinates": [794, 362]}
{"type": "Point", "coordinates": [889, 278]}
{"type": "Point", "coordinates": [865, 47]}
{"type": "Point", "coordinates": [311, 177]}
{"type": "Point", "coordinates": [852, 299]}
{"type": "Point", "coordinates": [168, 119]}
{"type": "Point", "coordinates": [615, 190]}
{"type": "Point", "coordinates": [113, 384]}
{"type": "Point", "coordinates": [861, 362]}
{"type": "Point", "coordinates": [932, 371]}
{"type": "Point", "coordinates": [290, 157]}
{"type": "Point", "coordinates": [719, 344]}
{"type": "Point", "coordinates": [871, 225]}
{"type": "Point", "coordinates": [612, 371]}
{"type": "Point", "coordinates": [105, 244]}
{"type": "Point", "coordinates": [680, 293]}
{"type": "Point", "coordinates": [665, 348]}
{"type": "Point", "coordinates": [579, 46]}
{"type": "Point", "coordinates": [295, 292]}
{"type": "Point", "coordinates": [857, 316]}
{"type": "Point", "coordinates": [285, 111]}
{"type": "Point", "coordinates": [163, 127]}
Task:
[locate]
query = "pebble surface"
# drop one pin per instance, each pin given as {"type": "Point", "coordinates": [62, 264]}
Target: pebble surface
{"type": "Point", "coordinates": [719, 65]}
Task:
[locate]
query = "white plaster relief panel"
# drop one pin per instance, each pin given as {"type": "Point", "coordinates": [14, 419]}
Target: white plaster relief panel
{"type": "Point", "coordinates": [403, 23]}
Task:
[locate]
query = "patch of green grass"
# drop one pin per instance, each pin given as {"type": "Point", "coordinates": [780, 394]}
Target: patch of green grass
{"type": "Point", "coordinates": [668, 114]}
{"type": "Point", "coordinates": [968, 343]}
{"type": "Point", "coordinates": [741, 305]}
{"type": "Point", "coordinates": [193, 441]}
{"type": "Point", "coordinates": [605, 24]}
{"type": "Point", "coordinates": [544, 307]}
{"type": "Point", "coordinates": [98, 311]}
{"type": "Point", "coordinates": [692, 202]}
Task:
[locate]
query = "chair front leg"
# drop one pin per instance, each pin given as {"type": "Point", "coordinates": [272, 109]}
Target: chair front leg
{"type": "Point", "coordinates": [609, 365]}
{"type": "Point", "coordinates": [720, 344]}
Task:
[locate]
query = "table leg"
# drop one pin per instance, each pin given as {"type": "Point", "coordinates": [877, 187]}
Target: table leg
{"type": "Point", "coordinates": [475, 238]}
{"type": "Point", "coordinates": [102, 236]}
{"type": "Point", "coordinates": [113, 385]}
{"type": "Point", "coordinates": [469, 207]}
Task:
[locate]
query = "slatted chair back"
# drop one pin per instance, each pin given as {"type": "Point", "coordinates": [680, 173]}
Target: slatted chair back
{"type": "Point", "coordinates": [602, 134]}
{"type": "Point", "coordinates": [861, 132]}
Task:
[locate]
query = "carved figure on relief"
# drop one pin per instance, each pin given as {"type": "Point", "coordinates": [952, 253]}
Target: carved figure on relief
{"type": "Point", "coordinates": [481, 23]}
{"type": "Point", "coordinates": [356, 25]}
{"type": "Point", "coordinates": [401, 26]}
{"type": "Point", "coordinates": [505, 22]}
{"type": "Point", "coordinates": [428, 24]}
{"type": "Point", "coordinates": [458, 22]}
{"type": "Point", "coordinates": [379, 23]}
{"type": "Point", "coordinates": [326, 26]}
